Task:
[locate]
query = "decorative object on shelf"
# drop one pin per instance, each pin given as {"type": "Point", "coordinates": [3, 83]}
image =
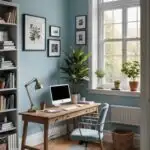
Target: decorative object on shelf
{"type": "Point", "coordinates": [38, 86]}
{"type": "Point", "coordinates": [54, 31]}
{"type": "Point", "coordinates": [11, 16]}
{"type": "Point", "coordinates": [81, 37]}
{"type": "Point", "coordinates": [81, 22]}
{"type": "Point", "coordinates": [132, 70]}
{"type": "Point", "coordinates": [100, 74]}
{"type": "Point", "coordinates": [7, 45]}
{"type": "Point", "coordinates": [34, 33]}
{"type": "Point", "coordinates": [75, 70]}
{"type": "Point", "coordinates": [116, 85]}
{"type": "Point", "coordinates": [54, 48]}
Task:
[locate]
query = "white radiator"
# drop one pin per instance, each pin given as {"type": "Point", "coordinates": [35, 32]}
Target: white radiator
{"type": "Point", "coordinates": [125, 115]}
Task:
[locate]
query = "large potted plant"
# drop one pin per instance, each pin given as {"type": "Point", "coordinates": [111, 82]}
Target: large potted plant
{"type": "Point", "coordinates": [132, 70]}
{"type": "Point", "coordinates": [100, 74]}
{"type": "Point", "coordinates": [76, 70]}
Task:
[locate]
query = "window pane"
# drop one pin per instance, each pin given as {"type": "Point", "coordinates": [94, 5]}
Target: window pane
{"type": "Point", "coordinates": [117, 16]}
{"type": "Point", "coordinates": [133, 58]}
{"type": "Point", "coordinates": [132, 14]}
{"type": "Point", "coordinates": [117, 31]}
{"type": "Point", "coordinates": [108, 31]}
{"type": "Point", "coordinates": [113, 16]}
{"type": "Point", "coordinates": [113, 48]}
{"type": "Point", "coordinates": [108, 16]}
{"type": "Point", "coordinates": [113, 68]}
{"type": "Point", "coordinates": [139, 29]}
{"type": "Point", "coordinates": [139, 14]}
{"type": "Point", "coordinates": [132, 30]}
{"type": "Point", "coordinates": [133, 48]}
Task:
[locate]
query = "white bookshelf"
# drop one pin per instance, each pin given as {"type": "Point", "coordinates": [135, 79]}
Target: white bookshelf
{"type": "Point", "coordinates": [11, 54]}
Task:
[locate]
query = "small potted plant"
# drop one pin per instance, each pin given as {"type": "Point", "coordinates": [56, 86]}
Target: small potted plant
{"type": "Point", "coordinates": [117, 84]}
{"type": "Point", "coordinates": [100, 74]}
{"type": "Point", "coordinates": [132, 70]}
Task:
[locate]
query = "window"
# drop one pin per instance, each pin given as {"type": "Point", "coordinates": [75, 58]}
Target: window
{"type": "Point", "coordinates": [118, 38]}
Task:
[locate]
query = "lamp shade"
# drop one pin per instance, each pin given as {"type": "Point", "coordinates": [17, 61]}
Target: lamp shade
{"type": "Point", "coordinates": [38, 85]}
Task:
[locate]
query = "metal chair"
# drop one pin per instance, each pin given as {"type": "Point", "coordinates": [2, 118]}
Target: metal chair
{"type": "Point", "coordinates": [90, 128]}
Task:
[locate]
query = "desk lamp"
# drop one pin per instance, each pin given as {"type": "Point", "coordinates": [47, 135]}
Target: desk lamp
{"type": "Point", "coordinates": [38, 86]}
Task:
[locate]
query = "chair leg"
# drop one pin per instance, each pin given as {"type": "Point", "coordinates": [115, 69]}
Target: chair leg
{"type": "Point", "coordinates": [81, 142]}
{"type": "Point", "coordinates": [101, 145]}
{"type": "Point", "coordinates": [86, 145]}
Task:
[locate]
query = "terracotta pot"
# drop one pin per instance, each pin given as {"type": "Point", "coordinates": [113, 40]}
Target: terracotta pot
{"type": "Point", "coordinates": [133, 85]}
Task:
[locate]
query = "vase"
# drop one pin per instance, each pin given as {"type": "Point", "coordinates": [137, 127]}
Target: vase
{"type": "Point", "coordinates": [75, 98]}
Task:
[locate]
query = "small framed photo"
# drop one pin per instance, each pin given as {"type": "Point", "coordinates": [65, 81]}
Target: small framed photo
{"type": "Point", "coordinates": [54, 48]}
{"type": "Point", "coordinates": [81, 22]}
{"type": "Point", "coordinates": [34, 33]}
{"type": "Point", "coordinates": [54, 31]}
{"type": "Point", "coordinates": [81, 37]}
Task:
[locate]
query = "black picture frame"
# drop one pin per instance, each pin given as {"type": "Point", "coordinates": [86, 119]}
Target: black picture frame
{"type": "Point", "coordinates": [57, 49]}
{"type": "Point", "coordinates": [81, 22]}
{"type": "Point", "coordinates": [81, 37]}
{"type": "Point", "coordinates": [51, 32]}
{"type": "Point", "coordinates": [28, 44]}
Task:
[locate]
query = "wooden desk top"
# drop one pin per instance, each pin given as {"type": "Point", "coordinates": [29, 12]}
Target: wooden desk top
{"type": "Point", "coordinates": [50, 115]}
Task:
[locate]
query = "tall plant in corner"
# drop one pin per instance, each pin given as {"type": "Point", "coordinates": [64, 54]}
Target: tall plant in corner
{"type": "Point", "coordinates": [76, 68]}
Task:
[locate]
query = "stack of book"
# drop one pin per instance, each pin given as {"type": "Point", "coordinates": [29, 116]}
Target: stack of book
{"type": "Point", "coordinates": [4, 126]}
{"type": "Point", "coordinates": [7, 102]}
{"type": "Point", "coordinates": [11, 16]}
{"type": "Point", "coordinates": [7, 45]}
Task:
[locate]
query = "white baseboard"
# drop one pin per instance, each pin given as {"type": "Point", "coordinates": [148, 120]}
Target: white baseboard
{"type": "Point", "coordinates": [37, 138]}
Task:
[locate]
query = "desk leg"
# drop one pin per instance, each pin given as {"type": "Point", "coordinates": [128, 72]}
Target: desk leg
{"type": "Point", "coordinates": [24, 135]}
{"type": "Point", "coordinates": [46, 136]}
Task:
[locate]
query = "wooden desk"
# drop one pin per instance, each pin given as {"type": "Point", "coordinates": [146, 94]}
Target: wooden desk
{"type": "Point", "coordinates": [49, 118]}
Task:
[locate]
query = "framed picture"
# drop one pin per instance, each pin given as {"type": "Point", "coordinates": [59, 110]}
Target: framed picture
{"type": "Point", "coordinates": [54, 48]}
{"type": "Point", "coordinates": [34, 33]}
{"type": "Point", "coordinates": [54, 31]}
{"type": "Point", "coordinates": [81, 37]}
{"type": "Point", "coordinates": [81, 22]}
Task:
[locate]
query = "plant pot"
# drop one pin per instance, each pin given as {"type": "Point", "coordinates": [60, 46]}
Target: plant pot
{"type": "Point", "coordinates": [133, 85]}
{"type": "Point", "coordinates": [116, 85]}
{"type": "Point", "coordinates": [75, 98]}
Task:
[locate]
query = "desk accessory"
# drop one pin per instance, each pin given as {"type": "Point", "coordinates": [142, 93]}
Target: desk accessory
{"type": "Point", "coordinates": [38, 86]}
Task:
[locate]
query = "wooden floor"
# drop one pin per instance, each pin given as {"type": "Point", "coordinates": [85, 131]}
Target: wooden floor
{"type": "Point", "coordinates": [65, 144]}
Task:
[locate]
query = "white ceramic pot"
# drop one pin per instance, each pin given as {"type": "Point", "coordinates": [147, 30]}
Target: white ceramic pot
{"type": "Point", "coordinates": [75, 98]}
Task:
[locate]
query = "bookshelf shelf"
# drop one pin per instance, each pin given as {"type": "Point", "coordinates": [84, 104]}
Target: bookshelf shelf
{"type": "Point", "coordinates": [8, 110]}
{"type": "Point", "coordinates": [11, 68]}
{"type": "Point", "coordinates": [8, 24]}
{"type": "Point", "coordinates": [8, 89]}
{"type": "Point", "coordinates": [9, 50]}
{"type": "Point", "coordinates": [4, 131]}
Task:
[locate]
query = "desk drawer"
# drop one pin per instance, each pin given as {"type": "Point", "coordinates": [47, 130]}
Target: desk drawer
{"type": "Point", "coordinates": [73, 115]}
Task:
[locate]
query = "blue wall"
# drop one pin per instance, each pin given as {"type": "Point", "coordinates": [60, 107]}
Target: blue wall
{"type": "Point", "coordinates": [37, 64]}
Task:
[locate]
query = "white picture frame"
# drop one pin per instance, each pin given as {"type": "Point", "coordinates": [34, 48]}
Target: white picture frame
{"type": "Point", "coordinates": [54, 48]}
{"type": "Point", "coordinates": [54, 31]}
{"type": "Point", "coordinates": [81, 37]}
{"type": "Point", "coordinates": [34, 33]}
{"type": "Point", "coordinates": [81, 22]}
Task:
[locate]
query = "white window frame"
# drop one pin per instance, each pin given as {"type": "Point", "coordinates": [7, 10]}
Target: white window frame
{"type": "Point", "coordinates": [95, 38]}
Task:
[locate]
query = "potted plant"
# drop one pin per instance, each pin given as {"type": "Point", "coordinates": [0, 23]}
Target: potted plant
{"type": "Point", "coordinates": [117, 84]}
{"type": "Point", "coordinates": [76, 70]}
{"type": "Point", "coordinates": [132, 70]}
{"type": "Point", "coordinates": [100, 74]}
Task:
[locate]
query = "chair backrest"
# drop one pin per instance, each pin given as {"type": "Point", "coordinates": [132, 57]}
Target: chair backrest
{"type": "Point", "coordinates": [102, 116]}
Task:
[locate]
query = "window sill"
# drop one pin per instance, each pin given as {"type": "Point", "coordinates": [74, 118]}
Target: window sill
{"type": "Point", "coordinates": [115, 92]}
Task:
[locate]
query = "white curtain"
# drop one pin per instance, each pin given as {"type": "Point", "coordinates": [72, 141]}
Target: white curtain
{"type": "Point", "coordinates": [145, 75]}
